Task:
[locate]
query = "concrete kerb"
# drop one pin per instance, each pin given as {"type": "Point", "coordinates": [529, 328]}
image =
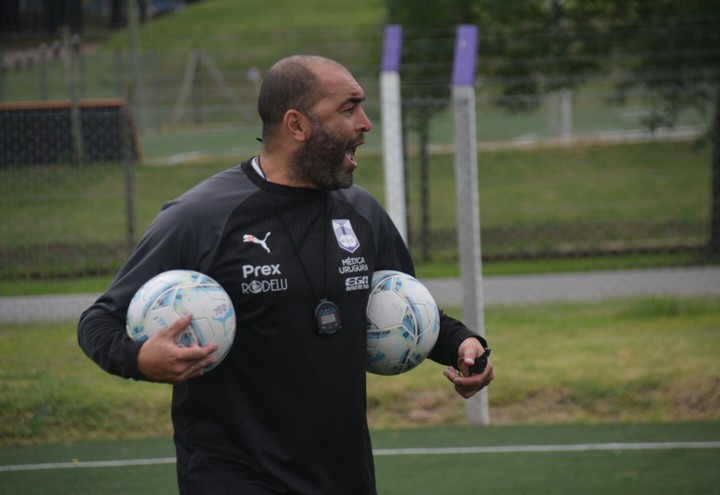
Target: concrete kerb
{"type": "Point", "coordinates": [510, 289]}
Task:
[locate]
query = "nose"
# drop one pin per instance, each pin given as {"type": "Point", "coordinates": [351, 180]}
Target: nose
{"type": "Point", "coordinates": [364, 124]}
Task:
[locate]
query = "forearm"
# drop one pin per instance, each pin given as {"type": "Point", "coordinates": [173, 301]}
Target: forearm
{"type": "Point", "coordinates": [103, 338]}
{"type": "Point", "coordinates": [452, 333]}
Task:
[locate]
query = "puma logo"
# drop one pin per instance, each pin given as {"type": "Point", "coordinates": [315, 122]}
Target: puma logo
{"type": "Point", "coordinates": [251, 238]}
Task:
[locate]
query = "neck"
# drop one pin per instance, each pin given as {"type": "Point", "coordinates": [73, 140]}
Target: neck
{"type": "Point", "coordinates": [274, 171]}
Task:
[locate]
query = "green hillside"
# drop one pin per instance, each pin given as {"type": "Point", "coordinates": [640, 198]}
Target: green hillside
{"type": "Point", "coordinates": [222, 24]}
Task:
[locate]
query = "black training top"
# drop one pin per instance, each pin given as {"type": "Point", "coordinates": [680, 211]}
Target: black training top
{"type": "Point", "coordinates": [285, 412]}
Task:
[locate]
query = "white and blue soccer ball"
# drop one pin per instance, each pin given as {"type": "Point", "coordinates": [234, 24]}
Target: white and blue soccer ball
{"type": "Point", "coordinates": [403, 323]}
{"type": "Point", "coordinates": [166, 297]}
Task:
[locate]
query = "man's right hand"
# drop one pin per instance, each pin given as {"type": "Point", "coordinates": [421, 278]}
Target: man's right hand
{"type": "Point", "coordinates": [161, 360]}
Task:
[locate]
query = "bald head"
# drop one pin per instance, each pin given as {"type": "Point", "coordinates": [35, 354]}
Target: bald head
{"type": "Point", "coordinates": [292, 83]}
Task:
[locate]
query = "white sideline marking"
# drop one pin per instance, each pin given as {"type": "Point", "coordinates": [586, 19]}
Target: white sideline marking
{"type": "Point", "coordinates": [550, 448]}
{"type": "Point", "coordinates": [393, 452]}
{"type": "Point", "coordinates": [89, 464]}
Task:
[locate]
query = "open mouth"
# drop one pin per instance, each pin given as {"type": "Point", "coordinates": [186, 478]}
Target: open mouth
{"type": "Point", "coordinates": [350, 153]}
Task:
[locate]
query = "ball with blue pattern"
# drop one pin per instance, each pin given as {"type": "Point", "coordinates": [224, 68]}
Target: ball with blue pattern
{"type": "Point", "coordinates": [168, 296]}
{"type": "Point", "coordinates": [402, 323]}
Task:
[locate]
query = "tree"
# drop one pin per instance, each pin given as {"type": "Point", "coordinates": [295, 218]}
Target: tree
{"type": "Point", "coordinates": [58, 14]}
{"type": "Point", "coordinates": [669, 48]}
{"type": "Point", "coordinates": [10, 19]}
{"type": "Point", "coordinates": [426, 67]}
{"type": "Point", "coordinates": [143, 10]}
{"type": "Point", "coordinates": [536, 47]}
{"type": "Point", "coordinates": [531, 45]}
{"type": "Point", "coordinates": [116, 13]}
{"type": "Point", "coordinates": [675, 57]}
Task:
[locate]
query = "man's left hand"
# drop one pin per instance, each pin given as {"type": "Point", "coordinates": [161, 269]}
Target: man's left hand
{"type": "Point", "coordinates": [467, 384]}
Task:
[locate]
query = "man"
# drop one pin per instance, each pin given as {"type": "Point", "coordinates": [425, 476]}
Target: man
{"type": "Point", "coordinates": [285, 412]}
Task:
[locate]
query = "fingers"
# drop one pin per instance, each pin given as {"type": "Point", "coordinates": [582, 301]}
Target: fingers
{"type": "Point", "coordinates": [469, 352]}
{"type": "Point", "coordinates": [177, 327]}
{"type": "Point", "coordinates": [190, 362]}
{"type": "Point", "coordinates": [464, 365]}
{"type": "Point", "coordinates": [467, 386]}
{"type": "Point", "coordinates": [177, 364]}
{"type": "Point", "coordinates": [160, 358]}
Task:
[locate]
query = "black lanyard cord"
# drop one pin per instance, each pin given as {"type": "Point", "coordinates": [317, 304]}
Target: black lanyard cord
{"type": "Point", "coordinates": [292, 242]}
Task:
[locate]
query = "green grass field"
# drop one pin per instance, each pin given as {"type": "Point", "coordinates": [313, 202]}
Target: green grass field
{"type": "Point", "coordinates": [635, 373]}
{"type": "Point", "coordinates": [640, 462]}
{"type": "Point", "coordinates": [517, 187]}
{"type": "Point", "coordinates": [635, 360]}
{"type": "Point", "coordinates": [65, 220]}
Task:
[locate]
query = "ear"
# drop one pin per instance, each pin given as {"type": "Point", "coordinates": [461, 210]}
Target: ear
{"type": "Point", "coordinates": [297, 125]}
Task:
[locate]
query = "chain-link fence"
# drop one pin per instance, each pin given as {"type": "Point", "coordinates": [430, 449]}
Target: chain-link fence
{"type": "Point", "coordinates": [94, 138]}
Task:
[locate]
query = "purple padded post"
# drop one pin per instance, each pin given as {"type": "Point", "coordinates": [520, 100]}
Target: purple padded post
{"type": "Point", "coordinates": [465, 54]}
{"type": "Point", "coordinates": [392, 49]}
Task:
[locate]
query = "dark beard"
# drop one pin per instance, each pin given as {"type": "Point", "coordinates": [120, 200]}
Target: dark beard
{"type": "Point", "coordinates": [320, 161]}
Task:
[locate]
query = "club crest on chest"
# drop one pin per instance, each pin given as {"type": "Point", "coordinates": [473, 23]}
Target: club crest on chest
{"type": "Point", "coordinates": [345, 235]}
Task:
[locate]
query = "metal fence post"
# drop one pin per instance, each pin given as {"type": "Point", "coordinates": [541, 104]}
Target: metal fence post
{"type": "Point", "coordinates": [75, 112]}
{"type": "Point", "coordinates": [391, 108]}
{"type": "Point", "coordinates": [128, 176]}
{"type": "Point", "coordinates": [468, 209]}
